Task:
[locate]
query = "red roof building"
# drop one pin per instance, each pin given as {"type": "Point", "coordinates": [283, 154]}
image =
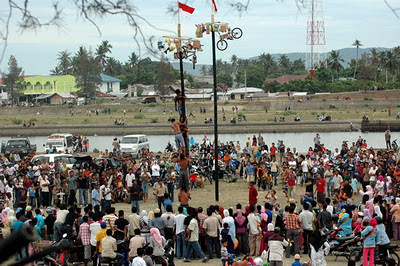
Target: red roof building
{"type": "Point", "coordinates": [287, 78]}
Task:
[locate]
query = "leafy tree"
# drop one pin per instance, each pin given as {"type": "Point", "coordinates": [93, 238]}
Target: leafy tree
{"type": "Point", "coordinates": [284, 63]}
{"type": "Point", "coordinates": [272, 86]}
{"type": "Point", "coordinates": [225, 78]}
{"type": "Point", "coordinates": [13, 79]}
{"type": "Point", "coordinates": [87, 71]}
{"type": "Point", "coordinates": [323, 74]}
{"type": "Point", "coordinates": [64, 62]}
{"type": "Point", "coordinates": [203, 70]}
{"type": "Point", "coordinates": [165, 77]}
{"type": "Point", "coordinates": [255, 76]}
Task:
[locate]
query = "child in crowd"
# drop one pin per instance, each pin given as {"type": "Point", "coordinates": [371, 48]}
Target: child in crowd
{"type": "Point", "coordinates": [167, 201]}
{"type": "Point", "coordinates": [297, 260]}
{"type": "Point", "coordinates": [224, 252]}
{"type": "Point", "coordinates": [193, 178]}
{"type": "Point", "coordinates": [31, 196]}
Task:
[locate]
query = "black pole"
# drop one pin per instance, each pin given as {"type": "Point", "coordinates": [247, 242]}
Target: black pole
{"type": "Point", "coordinates": [216, 166]}
{"type": "Point", "coordinates": [183, 118]}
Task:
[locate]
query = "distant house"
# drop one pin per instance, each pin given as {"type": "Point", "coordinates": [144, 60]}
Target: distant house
{"type": "Point", "coordinates": [109, 85]}
{"type": "Point", "coordinates": [37, 85]}
{"type": "Point", "coordinates": [286, 78]}
{"type": "Point", "coordinates": [243, 93]}
{"type": "Point", "coordinates": [57, 98]}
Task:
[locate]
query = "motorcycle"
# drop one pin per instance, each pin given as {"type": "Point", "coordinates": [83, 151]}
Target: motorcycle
{"type": "Point", "coordinates": [168, 258]}
{"type": "Point", "coordinates": [395, 146]}
{"type": "Point", "coordinates": [390, 258]}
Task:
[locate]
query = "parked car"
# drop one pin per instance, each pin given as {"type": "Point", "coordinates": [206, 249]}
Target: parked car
{"type": "Point", "coordinates": [82, 161]}
{"type": "Point", "coordinates": [134, 144]}
{"type": "Point", "coordinates": [21, 145]}
{"type": "Point", "coordinates": [68, 159]}
{"type": "Point", "coordinates": [149, 100]}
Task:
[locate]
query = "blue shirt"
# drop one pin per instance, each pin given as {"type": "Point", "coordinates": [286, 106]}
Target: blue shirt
{"type": "Point", "coordinates": [297, 263]}
{"type": "Point", "coordinates": [372, 239]}
{"type": "Point", "coordinates": [40, 221]}
{"type": "Point", "coordinates": [167, 202]}
{"type": "Point", "coordinates": [17, 225]}
{"type": "Point", "coordinates": [250, 169]}
{"type": "Point", "coordinates": [95, 195]}
{"type": "Point", "coordinates": [31, 192]}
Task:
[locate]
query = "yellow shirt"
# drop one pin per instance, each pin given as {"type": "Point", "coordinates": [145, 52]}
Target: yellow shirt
{"type": "Point", "coordinates": [99, 236]}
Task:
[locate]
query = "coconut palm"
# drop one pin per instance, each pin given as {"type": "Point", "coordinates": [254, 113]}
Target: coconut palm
{"type": "Point", "coordinates": [234, 63]}
{"type": "Point", "coordinates": [335, 62]}
{"type": "Point", "coordinates": [375, 61]}
{"type": "Point", "coordinates": [133, 61]}
{"type": "Point", "coordinates": [391, 63]}
{"type": "Point", "coordinates": [357, 44]}
{"type": "Point", "coordinates": [284, 63]}
{"type": "Point", "coordinates": [267, 61]}
{"type": "Point", "coordinates": [101, 51]}
{"type": "Point", "coordinates": [204, 70]}
{"type": "Point", "coordinates": [64, 62]}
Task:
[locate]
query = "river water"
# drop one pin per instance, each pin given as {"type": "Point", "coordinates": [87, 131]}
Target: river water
{"type": "Point", "coordinates": [302, 141]}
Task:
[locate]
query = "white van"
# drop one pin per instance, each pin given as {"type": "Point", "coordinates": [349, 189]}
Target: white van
{"type": "Point", "coordinates": [68, 159]}
{"type": "Point", "coordinates": [63, 142]}
{"type": "Point", "coordinates": [134, 144]}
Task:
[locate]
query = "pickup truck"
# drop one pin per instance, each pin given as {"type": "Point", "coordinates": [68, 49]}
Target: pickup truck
{"type": "Point", "coordinates": [22, 145]}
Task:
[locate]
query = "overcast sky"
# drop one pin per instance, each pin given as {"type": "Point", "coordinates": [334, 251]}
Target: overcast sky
{"type": "Point", "coordinates": [271, 26]}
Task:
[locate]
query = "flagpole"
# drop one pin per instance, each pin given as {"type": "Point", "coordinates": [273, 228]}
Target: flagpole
{"type": "Point", "coordinates": [180, 55]}
{"type": "Point", "coordinates": [216, 152]}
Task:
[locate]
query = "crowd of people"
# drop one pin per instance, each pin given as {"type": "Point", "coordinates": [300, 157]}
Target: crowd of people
{"type": "Point", "coordinates": [354, 186]}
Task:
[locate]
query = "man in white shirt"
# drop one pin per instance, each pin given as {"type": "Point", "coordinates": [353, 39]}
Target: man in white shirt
{"type": "Point", "coordinates": [181, 244]}
{"type": "Point", "coordinates": [306, 220]}
{"type": "Point", "coordinates": [255, 234]}
{"type": "Point", "coordinates": [155, 172]}
{"type": "Point", "coordinates": [58, 228]}
{"type": "Point", "coordinates": [304, 169]}
{"type": "Point", "coordinates": [138, 260]}
{"type": "Point", "coordinates": [130, 176]}
{"type": "Point", "coordinates": [94, 229]}
{"type": "Point", "coordinates": [337, 180]}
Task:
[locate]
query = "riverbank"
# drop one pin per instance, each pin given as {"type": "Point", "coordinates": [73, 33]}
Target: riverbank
{"type": "Point", "coordinates": [195, 128]}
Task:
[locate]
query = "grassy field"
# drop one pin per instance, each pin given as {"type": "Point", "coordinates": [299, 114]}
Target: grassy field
{"type": "Point", "coordinates": [63, 115]}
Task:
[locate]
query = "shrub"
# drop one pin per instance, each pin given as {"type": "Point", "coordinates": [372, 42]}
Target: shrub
{"type": "Point", "coordinates": [95, 150]}
{"type": "Point", "coordinates": [332, 106]}
{"type": "Point", "coordinates": [152, 105]}
{"type": "Point", "coordinates": [313, 113]}
{"type": "Point", "coordinates": [368, 99]}
{"type": "Point", "coordinates": [324, 99]}
{"type": "Point", "coordinates": [240, 114]}
{"type": "Point", "coordinates": [86, 121]}
{"type": "Point", "coordinates": [226, 102]}
{"type": "Point", "coordinates": [16, 121]}
{"type": "Point", "coordinates": [286, 113]}
{"type": "Point", "coordinates": [139, 116]}
{"type": "Point", "coordinates": [154, 120]}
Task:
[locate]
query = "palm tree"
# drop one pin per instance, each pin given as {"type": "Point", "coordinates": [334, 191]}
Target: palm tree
{"type": "Point", "coordinates": [133, 61]}
{"type": "Point", "coordinates": [203, 70]}
{"type": "Point", "coordinates": [375, 61]}
{"type": "Point", "coordinates": [284, 63]}
{"type": "Point", "coordinates": [267, 61]}
{"type": "Point", "coordinates": [101, 51]}
{"type": "Point", "coordinates": [357, 44]}
{"type": "Point", "coordinates": [396, 51]}
{"type": "Point", "coordinates": [234, 63]}
{"type": "Point", "coordinates": [391, 63]}
{"type": "Point", "coordinates": [335, 61]}
{"type": "Point", "coordinates": [64, 62]}
{"type": "Point", "coordinates": [383, 63]}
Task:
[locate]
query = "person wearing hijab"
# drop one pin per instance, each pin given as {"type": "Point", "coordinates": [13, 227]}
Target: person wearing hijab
{"type": "Point", "coordinates": [371, 237]}
{"type": "Point", "coordinates": [4, 215]}
{"type": "Point", "coordinates": [231, 222]}
{"type": "Point", "coordinates": [266, 236]}
{"type": "Point", "coordinates": [345, 222]}
{"type": "Point", "coordinates": [367, 215]}
{"type": "Point", "coordinates": [157, 242]}
{"type": "Point", "coordinates": [319, 248]}
{"type": "Point", "coordinates": [241, 226]}
{"type": "Point", "coordinates": [144, 223]}
{"type": "Point", "coordinates": [8, 223]}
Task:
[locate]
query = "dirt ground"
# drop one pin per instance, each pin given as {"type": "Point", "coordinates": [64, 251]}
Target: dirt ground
{"type": "Point", "coordinates": [231, 194]}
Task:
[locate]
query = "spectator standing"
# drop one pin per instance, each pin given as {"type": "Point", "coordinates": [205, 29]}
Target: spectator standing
{"type": "Point", "coordinates": [276, 244]}
{"type": "Point", "coordinates": [293, 228]}
{"type": "Point", "coordinates": [306, 220]}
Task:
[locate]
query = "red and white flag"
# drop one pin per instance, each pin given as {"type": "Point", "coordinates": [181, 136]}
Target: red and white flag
{"type": "Point", "coordinates": [214, 6]}
{"type": "Point", "coordinates": [185, 9]}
